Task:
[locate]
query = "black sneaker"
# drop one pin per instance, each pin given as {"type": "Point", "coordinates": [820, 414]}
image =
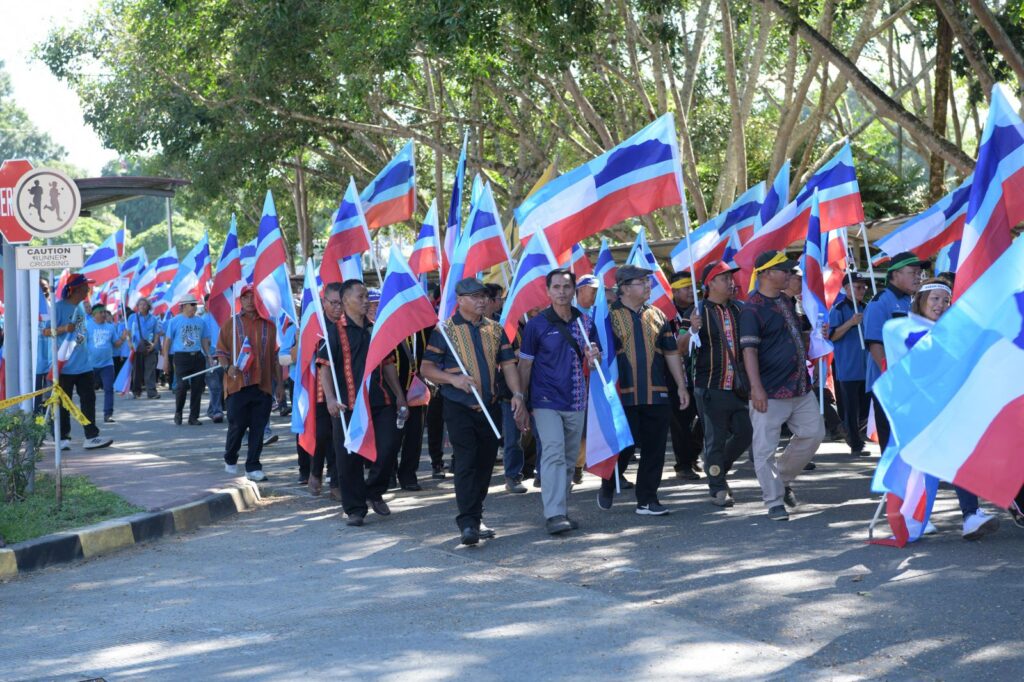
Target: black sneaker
{"type": "Point", "coordinates": [778, 513]}
{"type": "Point", "coordinates": [790, 498]}
{"type": "Point", "coordinates": [355, 520]}
{"type": "Point", "coordinates": [557, 524]}
{"type": "Point", "coordinates": [652, 509]}
{"type": "Point", "coordinates": [604, 500]}
{"type": "Point", "coordinates": [438, 472]}
{"type": "Point", "coordinates": [577, 475]}
{"type": "Point", "coordinates": [108, 420]}
{"type": "Point", "coordinates": [470, 536]}
{"type": "Point", "coordinates": [485, 532]}
{"type": "Point", "coordinates": [380, 507]}
{"type": "Point", "coordinates": [177, 418]}
{"type": "Point", "coordinates": [810, 466]}
{"type": "Point", "coordinates": [624, 484]}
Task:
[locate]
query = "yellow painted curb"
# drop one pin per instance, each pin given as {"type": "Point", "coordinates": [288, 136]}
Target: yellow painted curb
{"type": "Point", "coordinates": [105, 538]}
{"type": "Point", "coordinates": [190, 516]}
{"type": "Point", "coordinates": [8, 563]}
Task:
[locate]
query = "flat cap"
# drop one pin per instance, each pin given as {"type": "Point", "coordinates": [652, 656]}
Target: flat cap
{"type": "Point", "coordinates": [469, 286]}
{"type": "Point", "coordinates": [627, 273]}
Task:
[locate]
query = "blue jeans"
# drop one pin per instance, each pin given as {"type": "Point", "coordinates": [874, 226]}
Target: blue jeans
{"type": "Point", "coordinates": [968, 501]}
{"type": "Point", "coordinates": [215, 380]}
{"type": "Point", "coordinates": [513, 451]}
{"type": "Point", "coordinates": [105, 375]}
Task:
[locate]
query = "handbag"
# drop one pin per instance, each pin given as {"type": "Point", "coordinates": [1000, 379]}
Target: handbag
{"type": "Point", "coordinates": [739, 383]}
{"type": "Point", "coordinates": [418, 394]}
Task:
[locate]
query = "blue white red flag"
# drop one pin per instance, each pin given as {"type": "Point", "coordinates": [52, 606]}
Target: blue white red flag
{"type": "Point", "coordinates": [995, 204]}
{"type": "Point", "coordinates": [453, 229]}
{"type": "Point", "coordinates": [835, 251]}
{"type": "Point", "coordinates": [133, 265]}
{"type": "Point", "coordinates": [708, 241]}
{"type": "Point", "coordinates": [247, 255]}
{"type": "Point", "coordinates": [484, 238]}
{"type": "Point", "coordinates": [927, 232]}
{"type": "Point", "coordinates": [838, 192]}
{"type": "Point", "coordinates": [527, 290]}
{"type": "Point", "coordinates": [812, 290]}
{"type": "Point", "coordinates": [426, 252]}
{"type": "Point", "coordinates": [274, 294]}
{"type": "Point", "coordinates": [119, 242]}
{"type": "Point", "coordinates": [955, 402]}
{"type": "Point", "coordinates": [661, 291]}
{"type": "Point", "coordinates": [391, 196]}
{"type": "Point", "coordinates": [910, 493]}
{"type": "Point", "coordinates": [158, 273]}
{"type": "Point", "coordinates": [245, 357]}
{"type": "Point", "coordinates": [403, 311]}
{"type": "Point", "coordinates": [102, 266]}
{"type": "Point", "coordinates": [349, 235]}
{"type": "Point", "coordinates": [229, 273]}
{"type": "Point", "coordinates": [193, 273]}
{"type": "Point", "coordinates": [789, 225]}
{"type": "Point", "coordinates": [605, 269]}
{"type": "Point", "coordinates": [309, 336]}
{"type": "Point", "coordinates": [777, 195]}
{"type": "Point", "coordinates": [123, 381]}
{"type": "Point", "coordinates": [948, 258]}
{"type": "Point", "coordinates": [65, 350]}
{"type": "Point", "coordinates": [638, 176]}
{"type": "Point", "coordinates": [578, 263]}
{"type": "Point", "coordinates": [727, 261]}
{"type": "Point", "coordinates": [608, 431]}
{"type": "Point", "coordinates": [161, 302]}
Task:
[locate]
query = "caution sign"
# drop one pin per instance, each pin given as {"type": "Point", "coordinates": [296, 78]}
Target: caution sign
{"type": "Point", "coordinates": [56, 257]}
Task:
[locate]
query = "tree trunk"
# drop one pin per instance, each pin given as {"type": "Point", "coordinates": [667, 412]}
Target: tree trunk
{"type": "Point", "coordinates": [999, 38]}
{"type": "Point", "coordinates": [300, 199]}
{"type": "Point", "coordinates": [968, 44]}
{"type": "Point", "coordinates": [943, 66]}
{"type": "Point", "coordinates": [864, 85]}
{"type": "Point", "coordinates": [726, 189]}
{"type": "Point", "coordinates": [434, 101]}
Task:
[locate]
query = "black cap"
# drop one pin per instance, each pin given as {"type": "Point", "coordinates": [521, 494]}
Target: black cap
{"type": "Point", "coordinates": [860, 279]}
{"type": "Point", "coordinates": [785, 265]}
{"type": "Point", "coordinates": [628, 273]}
{"type": "Point", "coordinates": [469, 286]}
{"type": "Point", "coordinates": [905, 259]}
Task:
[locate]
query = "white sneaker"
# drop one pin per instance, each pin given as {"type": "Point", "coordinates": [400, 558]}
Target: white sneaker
{"type": "Point", "coordinates": [97, 442]}
{"type": "Point", "coordinates": [257, 475]}
{"type": "Point", "coordinates": [978, 524]}
{"type": "Point", "coordinates": [929, 529]}
{"type": "Point", "coordinates": [65, 444]}
{"type": "Point", "coordinates": [231, 469]}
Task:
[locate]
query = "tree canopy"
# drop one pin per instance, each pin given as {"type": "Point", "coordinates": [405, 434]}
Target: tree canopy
{"type": "Point", "coordinates": [296, 96]}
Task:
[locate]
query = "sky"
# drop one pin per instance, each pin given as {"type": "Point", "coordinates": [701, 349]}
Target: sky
{"type": "Point", "coordinates": [51, 105]}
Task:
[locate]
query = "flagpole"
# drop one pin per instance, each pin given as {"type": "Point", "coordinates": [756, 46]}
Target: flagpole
{"type": "Point", "coordinates": [867, 254]}
{"type": "Point", "coordinates": [821, 385]}
{"type": "Point", "coordinates": [337, 390]}
{"type": "Point", "coordinates": [853, 299]}
{"type": "Point", "coordinates": [58, 478]}
{"type": "Point", "coordinates": [604, 382]}
{"type": "Point", "coordinates": [694, 338]}
{"type": "Point", "coordinates": [462, 368]}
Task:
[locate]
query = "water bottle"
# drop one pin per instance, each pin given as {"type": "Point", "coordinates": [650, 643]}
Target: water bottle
{"type": "Point", "coordinates": [403, 415]}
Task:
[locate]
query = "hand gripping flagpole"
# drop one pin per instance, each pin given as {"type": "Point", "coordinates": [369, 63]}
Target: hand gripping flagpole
{"type": "Point", "coordinates": [604, 381]}
{"type": "Point", "coordinates": [319, 311]}
{"type": "Point", "coordinates": [462, 368]}
{"type": "Point", "coordinates": [853, 299]}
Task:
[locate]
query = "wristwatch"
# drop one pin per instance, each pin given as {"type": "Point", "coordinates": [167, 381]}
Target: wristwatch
{"type": "Point", "coordinates": [519, 395]}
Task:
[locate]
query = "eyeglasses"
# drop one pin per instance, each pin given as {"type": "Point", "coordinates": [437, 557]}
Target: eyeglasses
{"type": "Point", "coordinates": [332, 301]}
{"type": "Point", "coordinates": [641, 282]}
{"type": "Point", "coordinates": [479, 296]}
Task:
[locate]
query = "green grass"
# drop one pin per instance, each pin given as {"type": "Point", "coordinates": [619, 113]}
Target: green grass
{"type": "Point", "coordinates": [84, 504]}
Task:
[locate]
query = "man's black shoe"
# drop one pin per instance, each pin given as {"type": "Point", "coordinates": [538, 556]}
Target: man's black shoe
{"type": "Point", "coordinates": [485, 532]}
{"type": "Point", "coordinates": [624, 484]}
{"type": "Point", "coordinates": [574, 523]}
{"type": "Point", "coordinates": [778, 513]}
{"type": "Point", "coordinates": [438, 472]}
{"type": "Point", "coordinates": [558, 524]}
{"type": "Point", "coordinates": [470, 536]}
{"type": "Point", "coordinates": [810, 466]}
{"type": "Point", "coordinates": [604, 500]}
{"type": "Point", "coordinates": [177, 418]}
{"type": "Point", "coordinates": [355, 520]}
{"type": "Point", "coordinates": [412, 487]}
{"type": "Point", "coordinates": [194, 422]}
{"type": "Point", "coordinates": [380, 507]}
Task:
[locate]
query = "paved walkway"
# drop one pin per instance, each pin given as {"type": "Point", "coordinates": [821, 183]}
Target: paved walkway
{"type": "Point", "coordinates": [290, 592]}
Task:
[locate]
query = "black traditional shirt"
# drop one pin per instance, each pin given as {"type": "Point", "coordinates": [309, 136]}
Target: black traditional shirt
{"type": "Point", "coordinates": [642, 340]}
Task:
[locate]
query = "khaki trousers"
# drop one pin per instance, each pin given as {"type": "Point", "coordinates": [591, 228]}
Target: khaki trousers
{"type": "Point", "coordinates": [775, 472]}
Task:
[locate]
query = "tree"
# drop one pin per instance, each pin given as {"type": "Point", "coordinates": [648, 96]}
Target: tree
{"type": "Point", "coordinates": [19, 138]}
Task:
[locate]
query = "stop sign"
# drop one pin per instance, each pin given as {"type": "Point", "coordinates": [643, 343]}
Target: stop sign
{"type": "Point", "coordinates": [10, 172]}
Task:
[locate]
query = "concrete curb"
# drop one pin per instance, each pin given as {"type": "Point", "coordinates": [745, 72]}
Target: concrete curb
{"type": "Point", "coordinates": [115, 534]}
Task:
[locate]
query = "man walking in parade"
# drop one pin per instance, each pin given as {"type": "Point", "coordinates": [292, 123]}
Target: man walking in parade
{"type": "Point", "coordinates": [349, 340]}
{"type": "Point", "coordinates": [685, 428]}
{"type": "Point", "coordinates": [720, 383]}
{"type": "Point", "coordinates": [776, 366]}
{"type": "Point", "coordinates": [145, 331]}
{"type": "Point", "coordinates": [557, 391]}
{"type": "Point", "coordinates": [481, 345]}
{"type": "Point", "coordinates": [851, 357]}
{"type": "Point", "coordinates": [187, 345]}
{"type": "Point", "coordinates": [646, 354]}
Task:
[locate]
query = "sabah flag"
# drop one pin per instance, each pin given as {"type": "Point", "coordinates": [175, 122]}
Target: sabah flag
{"type": "Point", "coordinates": [838, 192]}
{"type": "Point", "coordinates": [605, 269]}
{"type": "Point", "coordinates": [102, 266]}
{"type": "Point", "coordinates": [426, 252]}
{"type": "Point", "coordinates": [245, 357]}
{"type": "Point", "coordinates": [310, 333]}
{"type": "Point", "coordinates": [159, 273]}
{"type": "Point", "coordinates": [527, 290]}
{"type": "Point", "coordinates": [708, 241]}
{"type": "Point", "coordinates": [579, 264]}
{"type": "Point", "coordinates": [927, 232]}
{"type": "Point", "coordinates": [134, 264]}
{"type": "Point", "coordinates": [955, 402]}
{"type": "Point", "coordinates": [274, 300]}
{"type": "Point", "coordinates": [391, 196]}
{"type": "Point", "coordinates": [453, 229]}
{"type": "Point", "coordinates": [484, 237]}
{"type": "Point", "coordinates": [661, 291]}
{"type": "Point", "coordinates": [812, 291]}
{"type": "Point", "coordinates": [229, 273]}
{"type": "Point", "coordinates": [349, 235]}
{"type": "Point", "coordinates": [634, 178]}
{"type": "Point", "coordinates": [776, 197]}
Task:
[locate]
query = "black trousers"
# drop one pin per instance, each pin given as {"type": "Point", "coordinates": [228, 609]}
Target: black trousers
{"type": "Point", "coordinates": [853, 404]}
{"type": "Point", "coordinates": [412, 445]}
{"type": "Point", "coordinates": [313, 462]}
{"type": "Point", "coordinates": [474, 451]}
{"type": "Point", "coordinates": [184, 365]}
{"type": "Point", "coordinates": [881, 423]}
{"type": "Point", "coordinates": [686, 431]}
{"type": "Point", "coordinates": [727, 433]}
{"type": "Point", "coordinates": [356, 486]}
{"type": "Point", "coordinates": [144, 372]}
{"type": "Point", "coordinates": [435, 429]}
{"type": "Point", "coordinates": [248, 410]}
{"type": "Point", "coordinates": [649, 426]}
{"type": "Point", "coordinates": [84, 384]}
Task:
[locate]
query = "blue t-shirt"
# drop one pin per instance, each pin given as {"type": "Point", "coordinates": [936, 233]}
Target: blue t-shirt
{"type": "Point", "coordinates": [889, 304]}
{"type": "Point", "coordinates": [143, 328]}
{"type": "Point", "coordinates": [101, 337]}
{"type": "Point", "coordinates": [288, 340]}
{"type": "Point", "coordinates": [557, 379]}
{"type": "Point", "coordinates": [186, 334]}
{"type": "Point", "coordinates": [124, 349]}
{"type": "Point", "coordinates": [851, 359]}
{"type": "Point", "coordinates": [78, 361]}
{"type": "Point", "coordinates": [44, 350]}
